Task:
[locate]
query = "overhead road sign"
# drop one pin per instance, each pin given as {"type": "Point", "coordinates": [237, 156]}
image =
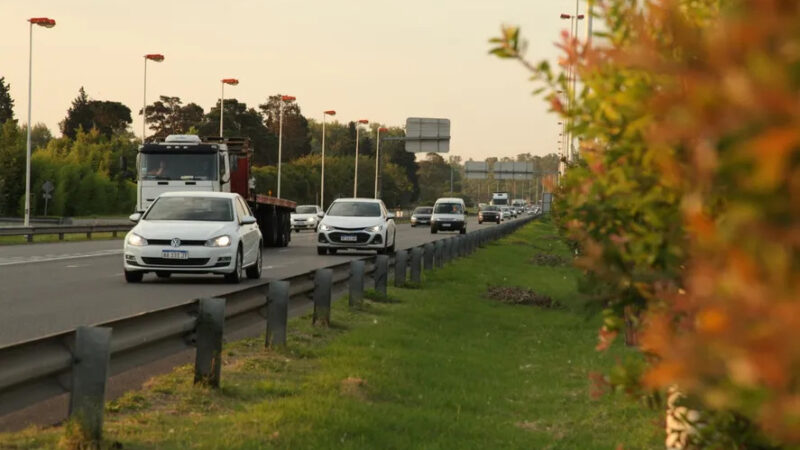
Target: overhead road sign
{"type": "Point", "coordinates": [476, 170]}
{"type": "Point", "coordinates": [427, 135]}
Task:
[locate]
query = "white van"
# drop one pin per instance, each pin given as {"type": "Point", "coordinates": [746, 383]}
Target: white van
{"type": "Point", "coordinates": [449, 215]}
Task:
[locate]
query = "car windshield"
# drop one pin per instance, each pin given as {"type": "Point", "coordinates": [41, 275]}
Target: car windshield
{"type": "Point", "coordinates": [306, 210]}
{"type": "Point", "coordinates": [491, 208]}
{"type": "Point", "coordinates": [208, 209]}
{"type": "Point", "coordinates": [355, 209]}
{"type": "Point", "coordinates": [448, 208]}
{"type": "Point", "coordinates": [178, 166]}
{"type": "Point", "coordinates": [425, 210]}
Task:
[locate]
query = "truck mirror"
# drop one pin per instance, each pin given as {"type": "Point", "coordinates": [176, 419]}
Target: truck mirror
{"type": "Point", "coordinates": [222, 178]}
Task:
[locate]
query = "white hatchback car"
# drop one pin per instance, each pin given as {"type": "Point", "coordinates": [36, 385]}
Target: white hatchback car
{"type": "Point", "coordinates": [356, 223]}
{"type": "Point", "coordinates": [305, 217]}
{"type": "Point", "coordinates": [449, 214]}
{"type": "Point", "coordinates": [194, 232]}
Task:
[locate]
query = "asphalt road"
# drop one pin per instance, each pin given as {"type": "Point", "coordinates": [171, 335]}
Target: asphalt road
{"type": "Point", "coordinates": [51, 288]}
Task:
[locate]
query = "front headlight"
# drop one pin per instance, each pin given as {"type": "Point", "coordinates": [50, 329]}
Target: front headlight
{"type": "Point", "coordinates": [323, 227]}
{"type": "Point", "coordinates": [136, 240]}
{"type": "Point", "coordinates": [311, 219]}
{"type": "Point", "coordinates": [413, 217]}
{"type": "Point", "coordinates": [375, 229]}
{"type": "Point", "coordinates": [221, 241]}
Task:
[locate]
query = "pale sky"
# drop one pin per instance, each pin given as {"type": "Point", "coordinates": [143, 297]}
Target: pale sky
{"type": "Point", "coordinates": [379, 60]}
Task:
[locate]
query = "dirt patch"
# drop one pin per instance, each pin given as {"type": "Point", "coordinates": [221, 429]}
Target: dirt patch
{"type": "Point", "coordinates": [354, 387]}
{"type": "Point", "coordinates": [520, 296]}
{"type": "Point", "coordinates": [547, 259]}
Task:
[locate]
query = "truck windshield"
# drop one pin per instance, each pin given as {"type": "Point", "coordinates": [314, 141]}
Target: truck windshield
{"type": "Point", "coordinates": [355, 209]}
{"type": "Point", "coordinates": [448, 208]}
{"type": "Point", "coordinates": [178, 166]}
{"type": "Point", "coordinates": [206, 209]}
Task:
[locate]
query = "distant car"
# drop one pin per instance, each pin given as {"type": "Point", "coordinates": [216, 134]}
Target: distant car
{"type": "Point", "coordinates": [194, 232]}
{"type": "Point", "coordinates": [356, 223]}
{"type": "Point", "coordinates": [421, 216]}
{"type": "Point", "coordinates": [489, 213]}
{"type": "Point", "coordinates": [305, 217]}
{"type": "Point", "coordinates": [449, 215]}
{"type": "Point", "coordinates": [505, 213]}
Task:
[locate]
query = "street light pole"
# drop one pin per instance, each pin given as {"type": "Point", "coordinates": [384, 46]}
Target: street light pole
{"type": "Point", "coordinates": [224, 81]}
{"type": "Point", "coordinates": [47, 23]}
{"type": "Point", "coordinates": [156, 58]}
{"type": "Point", "coordinates": [355, 177]}
{"type": "Point", "coordinates": [378, 158]}
{"type": "Point", "coordinates": [322, 176]}
{"type": "Point", "coordinates": [284, 100]}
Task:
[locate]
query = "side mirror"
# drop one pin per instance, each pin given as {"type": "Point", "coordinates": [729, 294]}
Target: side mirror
{"type": "Point", "coordinates": [135, 217]}
{"type": "Point", "coordinates": [248, 220]}
{"type": "Point", "coordinates": [320, 214]}
{"type": "Point", "coordinates": [222, 178]}
{"type": "Point", "coordinates": [390, 215]}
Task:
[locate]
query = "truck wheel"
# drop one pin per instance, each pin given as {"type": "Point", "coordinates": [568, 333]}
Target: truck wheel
{"type": "Point", "coordinates": [133, 277]}
{"type": "Point", "coordinates": [322, 251]}
{"type": "Point", "coordinates": [254, 271]}
{"type": "Point", "coordinates": [237, 275]}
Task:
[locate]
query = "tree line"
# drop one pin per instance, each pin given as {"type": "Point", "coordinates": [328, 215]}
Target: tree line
{"type": "Point", "coordinates": [93, 168]}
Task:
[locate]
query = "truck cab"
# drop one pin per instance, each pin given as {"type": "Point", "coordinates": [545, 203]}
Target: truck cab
{"type": "Point", "coordinates": [181, 163]}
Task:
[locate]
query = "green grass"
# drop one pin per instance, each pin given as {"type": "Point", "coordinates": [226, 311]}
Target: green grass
{"type": "Point", "coordinates": [437, 367]}
{"type": "Point", "coordinates": [71, 237]}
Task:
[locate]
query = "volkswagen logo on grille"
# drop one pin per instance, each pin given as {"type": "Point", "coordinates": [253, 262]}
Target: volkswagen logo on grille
{"type": "Point", "coordinates": [175, 242]}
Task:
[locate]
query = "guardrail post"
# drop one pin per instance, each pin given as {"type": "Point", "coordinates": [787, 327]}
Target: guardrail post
{"type": "Point", "coordinates": [451, 249]}
{"type": "Point", "coordinates": [356, 282]}
{"type": "Point", "coordinates": [428, 256]}
{"type": "Point", "coordinates": [400, 267]}
{"type": "Point", "coordinates": [438, 250]}
{"type": "Point", "coordinates": [60, 236]}
{"type": "Point", "coordinates": [89, 376]}
{"type": "Point", "coordinates": [29, 238]}
{"type": "Point", "coordinates": [208, 357]}
{"type": "Point", "coordinates": [323, 279]}
{"type": "Point", "coordinates": [416, 265]}
{"type": "Point", "coordinates": [88, 235]}
{"type": "Point", "coordinates": [381, 273]}
{"type": "Point", "coordinates": [277, 313]}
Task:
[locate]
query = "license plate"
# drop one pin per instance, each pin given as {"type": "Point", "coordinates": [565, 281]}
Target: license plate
{"type": "Point", "coordinates": [445, 225]}
{"type": "Point", "coordinates": [349, 238]}
{"type": "Point", "coordinates": [174, 254]}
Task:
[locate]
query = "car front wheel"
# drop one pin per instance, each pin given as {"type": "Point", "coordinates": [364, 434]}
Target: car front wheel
{"type": "Point", "coordinates": [133, 277]}
{"type": "Point", "coordinates": [322, 251]}
{"type": "Point", "coordinates": [254, 271]}
{"type": "Point", "coordinates": [237, 275]}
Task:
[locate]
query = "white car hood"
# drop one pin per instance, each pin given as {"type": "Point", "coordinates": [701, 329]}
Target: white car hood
{"type": "Point", "coordinates": [352, 222]}
{"type": "Point", "coordinates": [186, 230]}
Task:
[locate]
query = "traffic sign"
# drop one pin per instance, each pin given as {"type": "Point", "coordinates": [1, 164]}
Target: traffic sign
{"type": "Point", "coordinates": [476, 170]}
{"type": "Point", "coordinates": [48, 187]}
{"type": "Point", "coordinates": [427, 135]}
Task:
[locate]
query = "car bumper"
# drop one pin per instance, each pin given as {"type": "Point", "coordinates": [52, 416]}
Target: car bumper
{"type": "Point", "coordinates": [420, 221]}
{"type": "Point", "coordinates": [339, 239]}
{"type": "Point", "coordinates": [444, 226]}
{"type": "Point", "coordinates": [199, 259]}
{"type": "Point", "coordinates": [492, 218]}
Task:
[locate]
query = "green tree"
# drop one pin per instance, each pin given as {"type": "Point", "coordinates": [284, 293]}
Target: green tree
{"type": "Point", "coordinates": [241, 121]}
{"type": "Point", "coordinates": [12, 168]}
{"type": "Point", "coordinates": [169, 115]}
{"type": "Point", "coordinates": [6, 102]}
{"type": "Point", "coordinates": [296, 136]}
{"type": "Point", "coordinates": [108, 117]}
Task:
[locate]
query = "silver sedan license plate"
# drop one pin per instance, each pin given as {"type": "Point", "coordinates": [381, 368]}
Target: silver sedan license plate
{"type": "Point", "coordinates": [445, 225]}
{"type": "Point", "coordinates": [349, 238]}
{"type": "Point", "coordinates": [174, 254]}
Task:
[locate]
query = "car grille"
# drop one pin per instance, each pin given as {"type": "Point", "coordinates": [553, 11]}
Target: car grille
{"type": "Point", "coordinates": [186, 243]}
{"type": "Point", "coordinates": [361, 238]}
{"type": "Point", "coordinates": [175, 262]}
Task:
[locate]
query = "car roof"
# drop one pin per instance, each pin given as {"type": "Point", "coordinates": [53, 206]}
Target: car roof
{"type": "Point", "coordinates": [361, 200]}
{"type": "Point", "coordinates": [199, 194]}
{"type": "Point", "coordinates": [450, 200]}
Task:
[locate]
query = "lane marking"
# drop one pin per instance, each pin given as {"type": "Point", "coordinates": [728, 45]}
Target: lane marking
{"type": "Point", "coordinates": [36, 259]}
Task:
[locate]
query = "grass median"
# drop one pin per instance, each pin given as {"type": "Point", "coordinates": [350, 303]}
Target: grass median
{"type": "Point", "coordinates": [442, 366]}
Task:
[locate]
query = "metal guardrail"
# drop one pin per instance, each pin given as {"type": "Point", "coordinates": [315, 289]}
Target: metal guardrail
{"type": "Point", "coordinates": [61, 230]}
{"type": "Point", "coordinates": [40, 369]}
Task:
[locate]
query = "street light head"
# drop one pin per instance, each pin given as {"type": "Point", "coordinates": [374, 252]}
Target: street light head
{"type": "Point", "coordinates": [231, 81]}
{"type": "Point", "coordinates": [383, 129]}
{"type": "Point", "coordinates": [43, 22]}
{"type": "Point", "coordinates": [287, 98]}
{"type": "Point", "coordinates": [154, 57]}
{"type": "Point", "coordinates": [566, 16]}
{"type": "Point", "coordinates": [580, 16]}
{"type": "Point", "coordinates": [330, 112]}
{"type": "Point", "coordinates": [363, 121]}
